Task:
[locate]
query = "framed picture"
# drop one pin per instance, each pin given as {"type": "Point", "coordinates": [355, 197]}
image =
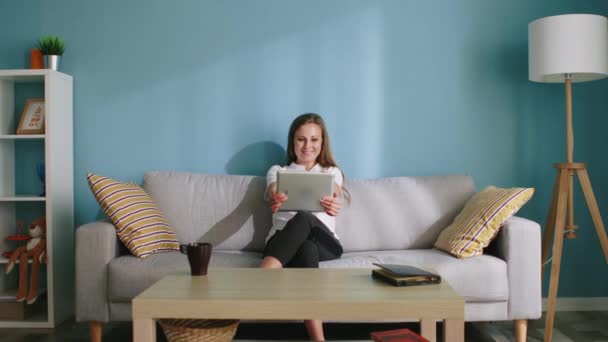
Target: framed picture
{"type": "Point", "coordinates": [32, 118]}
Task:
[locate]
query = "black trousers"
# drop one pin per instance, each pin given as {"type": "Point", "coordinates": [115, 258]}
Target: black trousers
{"type": "Point", "coordinates": [303, 242]}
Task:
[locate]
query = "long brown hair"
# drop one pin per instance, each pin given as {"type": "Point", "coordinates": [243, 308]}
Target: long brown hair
{"type": "Point", "coordinates": [326, 157]}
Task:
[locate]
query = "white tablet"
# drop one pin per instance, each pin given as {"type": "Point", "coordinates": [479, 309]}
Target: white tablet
{"type": "Point", "coordinates": [304, 190]}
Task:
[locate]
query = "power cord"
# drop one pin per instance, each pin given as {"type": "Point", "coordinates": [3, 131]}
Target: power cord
{"type": "Point", "coordinates": [565, 231]}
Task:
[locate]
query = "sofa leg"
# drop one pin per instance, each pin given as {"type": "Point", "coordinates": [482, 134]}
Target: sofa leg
{"type": "Point", "coordinates": [521, 330]}
{"type": "Point", "coordinates": [95, 331]}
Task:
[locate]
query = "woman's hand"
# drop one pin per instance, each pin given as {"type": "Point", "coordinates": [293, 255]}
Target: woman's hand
{"type": "Point", "coordinates": [276, 199]}
{"type": "Point", "coordinates": [332, 204]}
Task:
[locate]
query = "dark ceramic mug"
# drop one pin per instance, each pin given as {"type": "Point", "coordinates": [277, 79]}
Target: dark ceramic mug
{"type": "Point", "coordinates": [198, 254]}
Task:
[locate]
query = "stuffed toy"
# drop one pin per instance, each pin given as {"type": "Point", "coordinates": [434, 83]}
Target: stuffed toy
{"type": "Point", "coordinates": [35, 249]}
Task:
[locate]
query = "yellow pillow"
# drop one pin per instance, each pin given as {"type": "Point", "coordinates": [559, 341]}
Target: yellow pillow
{"type": "Point", "coordinates": [140, 225]}
{"type": "Point", "coordinates": [478, 223]}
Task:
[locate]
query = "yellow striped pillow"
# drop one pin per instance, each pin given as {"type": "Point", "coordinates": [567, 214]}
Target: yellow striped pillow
{"type": "Point", "coordinates": [140, 225]}
{"type": "Point", "coordinates": [478, 223]}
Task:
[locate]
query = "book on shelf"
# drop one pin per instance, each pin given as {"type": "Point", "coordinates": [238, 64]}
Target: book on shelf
{"type": "Point", "coordinates": [404, 275]}
{"type": "Point", "coordinates": [9, 294]}
{"type": "Point", "coordinates": [12, 310]}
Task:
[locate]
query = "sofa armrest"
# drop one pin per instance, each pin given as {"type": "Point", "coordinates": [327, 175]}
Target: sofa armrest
{"type": "Point", "coordinates": [518, 243]}
{"type": "Point", "coordinates": [96, 245]}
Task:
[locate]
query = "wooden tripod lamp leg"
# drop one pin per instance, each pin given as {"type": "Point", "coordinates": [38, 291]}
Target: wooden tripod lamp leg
{"type": "Point", "coordinates": [570, 228]}
{"type": "Point", "coordinates": [583, 177]}
{"type": "Point", "coordinates": [558, 241]}
{"type": "Point", "coordinates": [550, 226]}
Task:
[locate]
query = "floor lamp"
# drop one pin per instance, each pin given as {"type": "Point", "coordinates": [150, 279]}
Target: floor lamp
{"type": "Point", "coordinates": [565, 49]}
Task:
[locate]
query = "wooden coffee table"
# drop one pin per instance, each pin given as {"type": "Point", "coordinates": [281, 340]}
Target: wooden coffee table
{"type": "Point", "coordinates": [296, 294]}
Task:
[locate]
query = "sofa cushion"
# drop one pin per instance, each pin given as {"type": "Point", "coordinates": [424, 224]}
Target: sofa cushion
{"type": "Point", "coordinates": [400, 212]}
{"type": "Point", "coordinates": [226, 210]}
{"type": "Point", "coordinates": [479, 279]}
{"type": "Point", "coordinates": [140, 225]}
{"type": "Point", "coordinates": [478, 223]}
{"type": "Point", "coordinates": [384, 214]}
{"type": "Point", "coordinates": [128, 276]}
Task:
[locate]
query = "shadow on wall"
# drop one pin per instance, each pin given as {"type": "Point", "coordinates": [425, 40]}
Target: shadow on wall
{"type": "Point", "coordinates": [255, 159]}
{"type": "Point", "coordinates": [252, 205]}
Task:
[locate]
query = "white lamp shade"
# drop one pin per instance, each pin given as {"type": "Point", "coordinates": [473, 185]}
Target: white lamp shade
{"type": "Point", "coordinates": [575, 44]}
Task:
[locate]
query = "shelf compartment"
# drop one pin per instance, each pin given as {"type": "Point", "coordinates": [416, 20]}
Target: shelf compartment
{"type": "Point", "coordinates": [39, 320]}
{"type": "Point", "coordinates": [35, 313]}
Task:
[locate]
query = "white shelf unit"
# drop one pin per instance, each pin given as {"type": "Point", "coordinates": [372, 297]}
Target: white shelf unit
{"type": "Point", "coordinates": [58, 201]}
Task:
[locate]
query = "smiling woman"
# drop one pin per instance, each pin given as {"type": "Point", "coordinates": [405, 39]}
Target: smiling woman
{"type": "Point", "coordinates": [303, 238]}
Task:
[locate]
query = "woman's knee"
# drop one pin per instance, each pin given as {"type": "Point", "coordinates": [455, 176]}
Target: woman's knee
{"type": "Point", "coordinates": [303, 215]}
{"type": "Point", "coordinates": [299, 225]}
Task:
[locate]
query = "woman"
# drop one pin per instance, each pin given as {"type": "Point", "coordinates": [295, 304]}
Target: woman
{"type": "Point", "coordinates": [302, 239]}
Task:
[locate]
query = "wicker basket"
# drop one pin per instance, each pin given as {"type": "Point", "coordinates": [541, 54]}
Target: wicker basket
{"type": "Point", "coordinates": [190, 330]}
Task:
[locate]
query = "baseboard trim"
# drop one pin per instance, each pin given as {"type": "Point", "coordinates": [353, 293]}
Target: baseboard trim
{"type": "Point", "coordinates": [579, 304]}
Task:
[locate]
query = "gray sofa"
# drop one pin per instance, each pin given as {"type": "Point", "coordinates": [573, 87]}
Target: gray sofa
{"type": "Point", "coordinates": [389, 220]}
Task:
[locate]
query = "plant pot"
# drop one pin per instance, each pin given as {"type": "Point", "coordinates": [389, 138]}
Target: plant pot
{"type": "Point", "coordinates": [51, 62]}
{"type": "Point", "coordinates": [36, 59]}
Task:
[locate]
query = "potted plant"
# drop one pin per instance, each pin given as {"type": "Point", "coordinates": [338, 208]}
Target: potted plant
{"type": "Point", "coordinates": [52, 47]}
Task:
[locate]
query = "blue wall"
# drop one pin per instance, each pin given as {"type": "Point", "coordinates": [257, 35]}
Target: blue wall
{"type": "Point", "coordinates": [406, 87]}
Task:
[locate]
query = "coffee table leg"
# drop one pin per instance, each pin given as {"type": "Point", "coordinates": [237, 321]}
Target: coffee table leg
{"type": "Point", "coordinates": [428, 329]}
{"type": "Point", "coordinates": [453, 330]}
{"type": "Point", "coordinates": [144, 330]}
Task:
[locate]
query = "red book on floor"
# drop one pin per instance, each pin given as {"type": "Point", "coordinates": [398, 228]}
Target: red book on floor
{"type": "Point", "coordinates": [399, 335]}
